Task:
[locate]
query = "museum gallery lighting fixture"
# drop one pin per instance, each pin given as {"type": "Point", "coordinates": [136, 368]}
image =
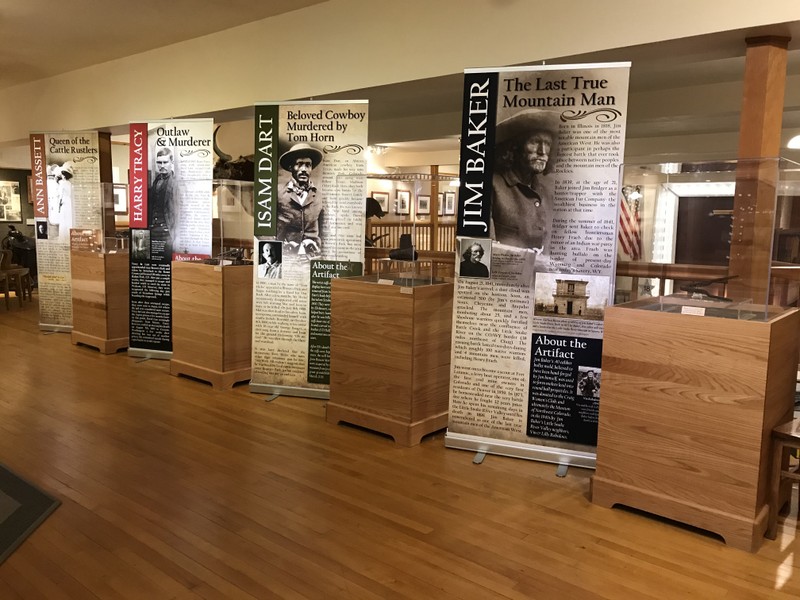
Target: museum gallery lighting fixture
{"type": "Point", "coordinates": [794, 143]}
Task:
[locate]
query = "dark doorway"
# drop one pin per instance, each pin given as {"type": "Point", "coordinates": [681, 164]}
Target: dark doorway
{"type": "Point", "coordinates": [704, 231]}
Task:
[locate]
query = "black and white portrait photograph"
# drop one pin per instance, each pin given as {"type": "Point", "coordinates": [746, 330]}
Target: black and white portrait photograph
{"type": "Point", "coordinates": [140, 244]}
{"type": "Point", "coordinates": [270, 260]}
{"type": "Point", "coordinates": [162, 199]}
{"type": "Point", "coordinates": [300, 205]}
{"type": "Point", "coordinates": [523, 184]}
{"type": "Point", "coordinates": [588, 382]}
{"type": "Point", "coordinates": [476, 257]}
{"type": "Point", "coordinates": [41, 230]}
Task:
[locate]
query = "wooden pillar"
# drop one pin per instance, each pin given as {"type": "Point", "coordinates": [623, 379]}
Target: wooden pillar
{"type": "Point", "coordinates": [434, 208]}
{"type": "Point", "coordinates": [757, 173]}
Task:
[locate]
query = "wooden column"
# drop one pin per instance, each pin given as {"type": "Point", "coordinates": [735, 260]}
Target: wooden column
{"type": "Point", "coordinates": [757, 173]}
{"type": "Point", "coordinates": [434, 207]}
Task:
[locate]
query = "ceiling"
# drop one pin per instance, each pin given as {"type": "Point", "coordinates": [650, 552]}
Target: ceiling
{"type": "Point", "coordinates": [686, 87]}
{"type": "Point", "coordinates": [86, 32]}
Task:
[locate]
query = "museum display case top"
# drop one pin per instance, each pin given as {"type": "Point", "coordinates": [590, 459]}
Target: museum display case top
{"type": "Point", "coordinates": [718, 233]}
{"type": "Point", "coordinates": [684, 304]}
{"type": "Point", "coordinates": [403, 273]}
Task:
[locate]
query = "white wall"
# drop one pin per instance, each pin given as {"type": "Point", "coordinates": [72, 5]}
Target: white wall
{"type": "Point", "coordinates": [351, 44]}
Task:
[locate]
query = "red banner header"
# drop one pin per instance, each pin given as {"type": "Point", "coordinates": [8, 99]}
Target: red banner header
{"type": "Point", "coordinates": [137, 176]}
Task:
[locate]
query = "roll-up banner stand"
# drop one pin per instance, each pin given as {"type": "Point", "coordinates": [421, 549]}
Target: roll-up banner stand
{"type": "Point", "coordinates": [307, 231]}
{"type": "Point", "coordinates": [541, 149]}
{"type": "Point", "coordinates": [170, 182]}
{"type": "Point", "coordinates": [67, 170]}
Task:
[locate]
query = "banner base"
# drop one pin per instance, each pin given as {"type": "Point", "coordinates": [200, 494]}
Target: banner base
{"type": "Point", "coordinates": [144, 353]}
{"type": "Point", "coordinates": [551, 454]}
{"type": "Point", "coordinates": [55, 328]}
{"type": "Point", "coordinates": [278, 390]}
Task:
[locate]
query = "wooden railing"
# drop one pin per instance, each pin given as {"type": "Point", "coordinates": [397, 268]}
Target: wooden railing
{"type": "Point", "coordinates": [440, 265]}
{"type": "Point", "coordinates": [387, 235]}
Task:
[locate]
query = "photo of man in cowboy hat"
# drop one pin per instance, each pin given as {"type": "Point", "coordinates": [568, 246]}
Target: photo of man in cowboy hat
{"type": "Point", "coordinates": [299, 207]}
{"type": "Point", "coordinates": [522, 184]}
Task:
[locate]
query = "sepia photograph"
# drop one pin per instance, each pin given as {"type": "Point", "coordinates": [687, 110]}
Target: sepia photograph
{"type": "Point", "coordinates": [570, 296]}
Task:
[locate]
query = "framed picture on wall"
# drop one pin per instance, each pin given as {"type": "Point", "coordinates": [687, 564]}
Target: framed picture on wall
{"type": "Point", "coordinates": [120, 199]}
{"type": "Point", "coordinates": [403, 204]}
{"type": "Point", "coordinates": [383, 200]}
{"type": "Point", "coordinates": [423, 205]}
{"type": "Point", "coordinates": [10, 202]}
{"type": "Point", "coordinates": [449, 203]}
{"type": "Point", "coordinates": [440, 204]}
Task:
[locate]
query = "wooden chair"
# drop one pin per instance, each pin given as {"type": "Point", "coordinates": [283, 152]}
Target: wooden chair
{"type": "Point", "coordinates": [17, 277]}
{"type": "Point", "coordinates": [4, 287]}
{"type": "Point", "coordinates": [785, 438]}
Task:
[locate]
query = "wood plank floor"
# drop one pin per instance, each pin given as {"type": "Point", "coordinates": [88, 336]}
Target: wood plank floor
{"type": "Point", "coordinates": [172, 490]}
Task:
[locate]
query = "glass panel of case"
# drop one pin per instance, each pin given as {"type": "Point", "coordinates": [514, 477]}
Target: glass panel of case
{"type": "Point", "coordinates": [232, 222]}
{"type": "Point", "coordinates": [723, 236]}
{"type": "Point", "coordinates": [400, 210]}
{"type": "Point", "coordinates": [83, 216]}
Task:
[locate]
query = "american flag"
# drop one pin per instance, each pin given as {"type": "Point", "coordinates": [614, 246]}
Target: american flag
{"type": "Point", "coordinates": [629, 222]}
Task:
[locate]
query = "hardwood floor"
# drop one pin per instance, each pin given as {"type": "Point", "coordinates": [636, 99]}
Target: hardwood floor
{"type": "Point", "coordinates": [172, 490]}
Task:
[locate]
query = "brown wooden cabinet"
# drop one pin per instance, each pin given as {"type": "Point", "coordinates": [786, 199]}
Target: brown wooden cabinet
{"type": "Point", "coordinates": [687, 405]}
{"type": "Point", "coordinates": [100, 300]}
{"type": "Point", "coordinates": [212, 322]}
{"type": "Point", "coordinates": [390, 357]}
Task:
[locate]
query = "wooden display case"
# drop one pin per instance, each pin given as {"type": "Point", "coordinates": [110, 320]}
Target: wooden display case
{"type": "Point", "coordinates": [390, 357]}
{"type": "Point", "coordinates": [100, 300]}
{"type": "Point", "coordinates": [212, 322]}
{"type": "Point", "coordinates": [687, 406]}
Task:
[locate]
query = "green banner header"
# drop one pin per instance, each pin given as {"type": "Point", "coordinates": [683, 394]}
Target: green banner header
{"type": "Point", "coordinates": [266, 170]}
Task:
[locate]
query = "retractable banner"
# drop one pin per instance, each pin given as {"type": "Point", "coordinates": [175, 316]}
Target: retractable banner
{"type": "Point", "coordinates": [68, 167]}
{"type": "Point", "coordinates": [309, 228]}
{"type": "Point", "coordinates": [170, 181]}
{"type": "Point", "coordinates": [541, 149]}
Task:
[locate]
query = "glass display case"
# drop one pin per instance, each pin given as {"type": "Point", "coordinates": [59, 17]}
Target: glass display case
{"type": "Point", "coordinates": [217, 292]}
{"type": "Point", "coordinates": [82, 216]}
{"type": "Point", "coordinates": [390, 357]}
{"type": "Point", "coordinates": [99, 264]}
{"type": "Point", "coordinates": [408, 234]}
{"type": "Point", "coordinates": [725, 231]}
{"type": "Point", "coordinates": [390, 336]}
{"type": "Point", "coordinates": [232, 222]}
{"type": "Point", "coordinates": [701, 362]}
